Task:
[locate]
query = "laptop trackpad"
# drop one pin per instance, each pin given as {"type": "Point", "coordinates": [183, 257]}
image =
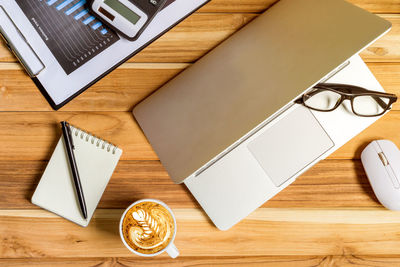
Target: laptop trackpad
{"type": "Point", "coordinates": [290, 145]}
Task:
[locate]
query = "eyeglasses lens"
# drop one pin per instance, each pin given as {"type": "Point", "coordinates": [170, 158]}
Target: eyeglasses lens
{"type": "Point", "coordinates": [324, 100]}
{"type": "Point", "coordinates": [370, 105]}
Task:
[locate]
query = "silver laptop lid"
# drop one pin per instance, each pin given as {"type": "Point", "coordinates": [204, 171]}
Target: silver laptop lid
{"type": "Point", "coordinates": [249, 77]}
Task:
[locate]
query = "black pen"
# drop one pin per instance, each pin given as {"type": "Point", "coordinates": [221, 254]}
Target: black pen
{"type": "Point", "coordinates": [69, 145]}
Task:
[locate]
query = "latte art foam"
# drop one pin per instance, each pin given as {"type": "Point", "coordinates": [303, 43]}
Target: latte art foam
{"type": "Point", "coordinates": [148, 227]}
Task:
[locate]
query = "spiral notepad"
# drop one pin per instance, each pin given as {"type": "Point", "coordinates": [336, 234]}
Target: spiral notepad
{"type": "Point", "coordinates": [96, 160]}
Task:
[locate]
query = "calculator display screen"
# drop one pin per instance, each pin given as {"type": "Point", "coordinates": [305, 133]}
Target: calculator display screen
{"type": "Point", "coordinates": [123, 10]}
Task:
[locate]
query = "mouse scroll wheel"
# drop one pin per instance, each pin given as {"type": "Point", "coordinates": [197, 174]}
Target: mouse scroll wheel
{"type": "Point", "coordinates": [383, 159]}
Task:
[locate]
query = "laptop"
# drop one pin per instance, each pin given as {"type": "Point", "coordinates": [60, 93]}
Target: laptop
{"type": "Point", "coordinates": [228, 127]}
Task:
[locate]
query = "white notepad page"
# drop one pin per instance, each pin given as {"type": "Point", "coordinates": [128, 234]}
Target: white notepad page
{"type": "Point", "coordinates": [96, 161]}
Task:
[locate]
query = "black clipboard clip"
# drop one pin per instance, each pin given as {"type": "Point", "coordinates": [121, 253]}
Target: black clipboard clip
{"type": "Point", "coordinates": [18, 44]}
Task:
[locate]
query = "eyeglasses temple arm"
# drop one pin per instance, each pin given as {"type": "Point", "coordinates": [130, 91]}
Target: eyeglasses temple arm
{"type": "Point", "coordinates": [380, 102]}
{"type": "Point", "coordinates": [299, 100]}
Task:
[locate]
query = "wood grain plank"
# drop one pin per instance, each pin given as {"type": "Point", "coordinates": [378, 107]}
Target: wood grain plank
{"type": "Point", "coordinates": [33, 135]}
{"type": "Point", "coordinates": [201, 32]}
{"type": "Point", "coordinates": [265, 232]}
{"type": "Point", "coordinates": [186, 42]}
{"type": "Point", "coordinates": [128, 85]}
{"type": "Point", "coordinates": [381, 6]}
{"type": "Point", "coordinates": [386, 49]}
{"type": "Point", "coordinates": [350, 216]}
{"type": "Point", "coordinates": [331, 183]}
{"type": "Point", "coordinates": [118, 91]}
{"type": "Point", "coordinates": [238, 6]}
{"type": "Point", "coordinates": [298, 261]}
{"type": "Point", "coordinates": [225, 24]}
{"type": "Point", "coordinates": [384, 128]}
{"type": "Point", "coordinates": [264, 261]}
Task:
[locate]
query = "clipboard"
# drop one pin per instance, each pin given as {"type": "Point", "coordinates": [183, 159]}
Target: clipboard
{"type": "Point", "coordinates": [63, 66]}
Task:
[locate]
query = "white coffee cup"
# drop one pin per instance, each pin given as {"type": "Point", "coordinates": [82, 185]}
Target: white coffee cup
{"type": "Point", "coordinates": [171, 249]}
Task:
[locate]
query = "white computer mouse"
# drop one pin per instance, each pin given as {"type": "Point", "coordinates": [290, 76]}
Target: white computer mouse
{"type": "Point", "coordinates": [381, 161]}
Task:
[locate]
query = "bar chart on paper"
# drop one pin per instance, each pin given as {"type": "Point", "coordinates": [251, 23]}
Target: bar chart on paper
{"type": "Point", "coordinates": [71, 33]}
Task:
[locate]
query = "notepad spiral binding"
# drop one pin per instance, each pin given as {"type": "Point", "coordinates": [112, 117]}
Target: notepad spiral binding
{"type": "Point", "coordinates": [100, 143]}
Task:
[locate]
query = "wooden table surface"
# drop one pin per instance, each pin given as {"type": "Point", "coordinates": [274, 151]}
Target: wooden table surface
{"type": "Point", "coordinates": [328, 217]}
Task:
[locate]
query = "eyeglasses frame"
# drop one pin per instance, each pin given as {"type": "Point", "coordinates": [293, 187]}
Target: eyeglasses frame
{"type": "Point", "coordinates": [350, 92]}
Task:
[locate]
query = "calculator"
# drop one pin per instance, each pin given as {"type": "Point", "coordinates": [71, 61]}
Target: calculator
{"type": "Point", "coordinates": [128, 17]}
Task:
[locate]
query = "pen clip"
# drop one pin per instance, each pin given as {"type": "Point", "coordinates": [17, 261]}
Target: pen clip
{"type": "Point", "coordinates": [70, 135]}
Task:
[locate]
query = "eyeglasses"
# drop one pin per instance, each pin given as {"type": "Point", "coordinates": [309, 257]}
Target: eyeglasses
{"type": "Point", "coordinates": [365, 103]}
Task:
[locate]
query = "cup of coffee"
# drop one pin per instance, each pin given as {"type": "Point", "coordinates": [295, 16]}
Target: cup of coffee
{"type": "Point", "coordinates": [148, 228]}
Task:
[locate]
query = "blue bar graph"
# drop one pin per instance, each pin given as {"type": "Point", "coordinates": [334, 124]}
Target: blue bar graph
{"type": "Point", "coordinates": [72, 34]}
{"type": "Point", "coordinates": [64, 4]}
{"type": "Point", "coordinates": [75, 7]}
{"type": "Point", "coordinates": [96, 25]}
{"type": "Point", "coordinates": [88, 20]}
{"type": "Point", "coordinates": [81, 14]}
{"type": "Point", "coordinates": [51, 2]}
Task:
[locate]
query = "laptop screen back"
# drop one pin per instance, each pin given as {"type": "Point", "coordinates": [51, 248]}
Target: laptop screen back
{"type": "Point", "coordinates": [249, 77]}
